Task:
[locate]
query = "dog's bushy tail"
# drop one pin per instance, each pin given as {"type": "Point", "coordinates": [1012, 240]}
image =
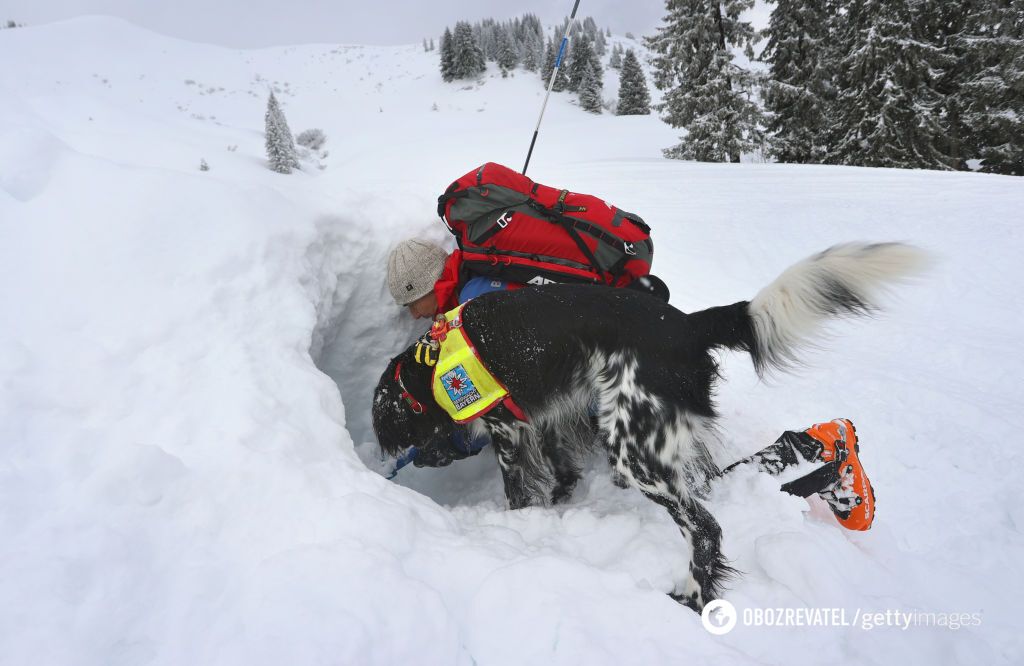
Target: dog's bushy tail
{"type": "Point", "coordinates": [843, 280]}
{"type": "Point", "coordinates": [789, 313]}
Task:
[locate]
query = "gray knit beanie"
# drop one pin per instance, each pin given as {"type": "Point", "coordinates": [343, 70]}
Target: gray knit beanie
{"type": "Point", "coordinates": [413, 268]}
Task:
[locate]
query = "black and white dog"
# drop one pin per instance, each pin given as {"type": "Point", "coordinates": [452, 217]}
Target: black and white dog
{"type": "Point", "coordinates": [629, 375]}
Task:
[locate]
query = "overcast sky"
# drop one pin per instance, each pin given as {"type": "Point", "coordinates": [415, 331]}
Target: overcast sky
{"type": "Point", "coordinates": [256, 23]}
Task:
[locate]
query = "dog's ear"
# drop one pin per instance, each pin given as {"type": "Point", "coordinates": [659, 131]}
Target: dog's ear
{"type": "Point", "coordinates": [395, 422]}
{"type": "Point", "coordinates": [390, 412]}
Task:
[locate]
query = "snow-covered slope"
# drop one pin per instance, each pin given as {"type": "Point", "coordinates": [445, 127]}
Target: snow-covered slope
{"type": "Point", "coordinates": [187, 471]}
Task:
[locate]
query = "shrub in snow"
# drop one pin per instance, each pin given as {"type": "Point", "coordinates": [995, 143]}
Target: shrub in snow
{"type": "Point", "coordinates": [314, 139]}
{"type": "Point", "coordinates": [203, 166]}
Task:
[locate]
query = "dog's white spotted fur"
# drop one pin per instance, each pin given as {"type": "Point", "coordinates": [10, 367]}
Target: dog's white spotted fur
{"type": "Point", "coordinates": [647, 404]}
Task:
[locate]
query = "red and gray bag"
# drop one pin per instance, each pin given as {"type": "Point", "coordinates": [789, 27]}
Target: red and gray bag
{"type": "Point", "coordinates": [511, 228]}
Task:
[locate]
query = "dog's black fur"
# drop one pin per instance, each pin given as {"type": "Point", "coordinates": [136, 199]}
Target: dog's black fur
{"type": "Point", "coordinates": [625, 373]}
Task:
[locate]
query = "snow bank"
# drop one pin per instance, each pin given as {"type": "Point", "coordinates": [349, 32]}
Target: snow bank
{"type": "Point", "coordinates": [188, 473]}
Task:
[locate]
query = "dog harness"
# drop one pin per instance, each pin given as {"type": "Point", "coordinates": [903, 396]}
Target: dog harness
{"type": "Point", "coordinates": [462, 385]}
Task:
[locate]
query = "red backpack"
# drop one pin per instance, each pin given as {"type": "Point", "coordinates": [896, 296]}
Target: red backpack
{"type": "Point", "coordinates": [511, 228]}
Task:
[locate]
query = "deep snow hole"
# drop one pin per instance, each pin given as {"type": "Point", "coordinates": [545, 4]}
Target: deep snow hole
{"type": "Point", "coordinates": [358, 329]}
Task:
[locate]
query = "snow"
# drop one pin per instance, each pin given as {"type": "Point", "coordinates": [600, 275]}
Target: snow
{"type": "Point", "coordinates": [188, 473]}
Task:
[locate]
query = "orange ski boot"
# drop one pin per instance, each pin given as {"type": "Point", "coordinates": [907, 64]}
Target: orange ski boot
{"type": "Point", "coordinates": [851, 497]}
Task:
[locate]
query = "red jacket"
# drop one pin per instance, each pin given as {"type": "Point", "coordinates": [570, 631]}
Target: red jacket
{"type": "Point", "coordinates": [452, 281]}
{"type": "Point", "coordinates": [447, 286]}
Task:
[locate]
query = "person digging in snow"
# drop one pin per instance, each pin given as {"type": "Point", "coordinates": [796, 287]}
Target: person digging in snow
{"type": "Point", "coordinates": [429, 281]}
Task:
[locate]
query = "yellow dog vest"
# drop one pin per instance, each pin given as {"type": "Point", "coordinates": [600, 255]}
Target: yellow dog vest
{"type": "Point", "coordinates": [462, 384]}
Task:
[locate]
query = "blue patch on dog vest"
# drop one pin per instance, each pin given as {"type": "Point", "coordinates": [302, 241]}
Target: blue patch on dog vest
{"type": "Point", "coordinates": [459, 387]}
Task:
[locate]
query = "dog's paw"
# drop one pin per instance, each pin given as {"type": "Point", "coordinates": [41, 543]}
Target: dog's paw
{"type": "Point", "coordinates": [691, 601]}
{"type": "Point", "coordinates": [619, 479]}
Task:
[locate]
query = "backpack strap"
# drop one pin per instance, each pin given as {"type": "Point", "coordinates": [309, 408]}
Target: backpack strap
{"type": "Point", "coordinates": [571, 229]}
{"type": "Point", "coordinates": [570, 224]}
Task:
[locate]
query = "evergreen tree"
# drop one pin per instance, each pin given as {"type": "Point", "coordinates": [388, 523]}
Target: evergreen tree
{"type": "Point", "coordinates": [447, 56]}
{"type": "Point", "coordinates": [887, 111]}
{"type": "Point", "coordinates": [590, 89]}
{"type": "Point", "coordinates": [706, 93]}
{"type": "Point", "coordinates": [507, 56]}
{"type": "Point", "coordinates": [799, 81]}
{"type": "Point", "coordinates": [561, 79]}
{"type": "Point", "coordinates": [279, 142]}
{"type": "Point", "coordinates": [532, 53]}
{"type": "Point", "coordinates": [615, 62]}
{"type": "Point", "coordinates": [634, 97]}
{"type": "Point", "coordinates": [432, 46]}
{"type": "Point", "coordinates": [548, 63]}
{"type": "Point", "coordinates": [467, 58]}
{"type": "Point", "coordinates": [992, 93]}
{"type": "Point", "coordinates": [582, 57]}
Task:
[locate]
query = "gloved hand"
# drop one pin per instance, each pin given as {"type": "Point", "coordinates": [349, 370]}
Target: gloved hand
{"type": "Point", "coordinates": [445, 453]}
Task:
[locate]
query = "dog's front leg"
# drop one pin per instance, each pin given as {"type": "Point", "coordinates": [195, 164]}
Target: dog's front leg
{"type": "Point", "coordinates": [523, 471]}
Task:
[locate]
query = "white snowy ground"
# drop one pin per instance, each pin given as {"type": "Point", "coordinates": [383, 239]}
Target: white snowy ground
{"type": "Point", "coordinates": [181, 482]}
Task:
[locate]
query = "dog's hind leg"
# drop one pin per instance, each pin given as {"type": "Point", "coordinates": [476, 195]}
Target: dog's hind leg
{"type": "Point", "coordinates": [708, 569]}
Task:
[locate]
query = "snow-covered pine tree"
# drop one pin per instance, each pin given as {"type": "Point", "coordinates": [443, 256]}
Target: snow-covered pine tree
{"type": "Point", "coordinates": [799, 81]}
{"type": "Point", "coordinates": [943, 24]}
{"type": "Point", "coordinates": [992, 93]}
{"type": "Point", "coordinates": [426, 46]}
{"type": "Point", "coordinates": [582, 56]}
{"type": "Point", "coordinates": [590, 89]}
{"type": "Point", "coordinates": [548, 63]}
{"type": "Point", "coordinates": [615, 61]}
{"type": "Point", "coordinates": [886, 112]}
{"type": "Point", "coordinates": [431, 44]}
{"type": "Point", "coordinates": [600, 44]}
{"type": "Point", "coordinates": [634, 97]}
{"type": "Point", "coordinates": [467, 58]}
{"type": "Point", "coordinates": [561, 79]}
{"type": "Point", "coordinates": [279, 142]}
{"type": "Point", "coordinates": [483, 34]}
{"type": "Point", "coordinates": [532, 52]}
{"type": "Point", "coordinates": [533, 26]}
{"type": "Point", "coordinates": [447, 56]}
{"type": "Point", "coordinates": [706, 93]}
{"type": "Point", "coordinates": [507, 56]}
